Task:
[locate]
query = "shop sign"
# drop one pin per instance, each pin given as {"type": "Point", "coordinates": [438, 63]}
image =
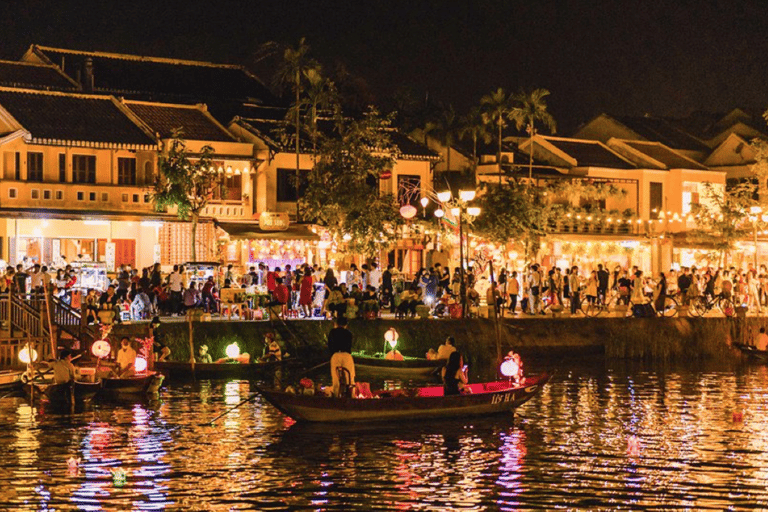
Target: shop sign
{"type": "Point", "coordinates": [274, 221]}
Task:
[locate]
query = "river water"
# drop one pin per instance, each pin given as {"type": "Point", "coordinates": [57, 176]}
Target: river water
{"type": "Point", "coordinates": [600, 436]}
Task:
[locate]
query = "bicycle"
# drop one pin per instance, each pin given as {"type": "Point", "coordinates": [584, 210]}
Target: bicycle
{"type": "Point", "coordinates": [704, 303]}
{"type": "Point", "coordinates": [668, 310]}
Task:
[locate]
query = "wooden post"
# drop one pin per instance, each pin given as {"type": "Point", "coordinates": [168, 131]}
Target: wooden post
{"type": "Point", "coordinates": [191, 346]}
{"type": "Point", "coordinates": [50, 323]}
{"type": "Point", "coordinates": [496, 318]}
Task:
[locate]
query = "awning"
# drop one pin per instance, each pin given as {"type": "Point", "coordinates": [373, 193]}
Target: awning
{"type": "Point", "coordinates": [251, 231]}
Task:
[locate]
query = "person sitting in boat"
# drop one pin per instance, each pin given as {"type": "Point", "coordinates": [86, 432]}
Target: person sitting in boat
{"type": "Point", "coordinates": [394, 355]}
{"type": "Point", "coordinates": [445, 350]}
{"type": "Point", "coordinates": [761, 343]}
{"type": "Point", "coordinates": [431, 354]}
{"type": "Point", "coordinates": [272, 350]}
{"type": "Point", "coordinates": [454, 375]}
{"type": "Point", "coordinates": [203, 356]}
{"type": "Point", "coordinates": [340, 348]}
{"type": "Point", "coordinates": [63, 369]}
{"type": "Point", "coordinates": [161, 350]}
{"type": "Point", "coordinates": [126, 358]}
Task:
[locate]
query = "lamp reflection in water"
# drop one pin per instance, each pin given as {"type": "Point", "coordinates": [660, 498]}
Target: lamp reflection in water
{"type": "Point", "coordinates": [513, 452]}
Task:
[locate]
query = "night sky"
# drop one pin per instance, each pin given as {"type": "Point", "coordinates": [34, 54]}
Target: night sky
{"type": "Point", "coordinates": [621, 57]}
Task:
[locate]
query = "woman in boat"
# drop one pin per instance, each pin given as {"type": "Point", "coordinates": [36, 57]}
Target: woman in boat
{"type": "Point", "coordinates": [454, 376]}
{"type": "Point", "coordinates": [161, 350]}
{"type": "Point", "coordinates": [203, 356]}
{"type": "Point", "coordinates": [272, 351]}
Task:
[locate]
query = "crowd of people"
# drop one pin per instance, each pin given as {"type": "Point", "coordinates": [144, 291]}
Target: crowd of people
{"type": "Point", "coordinates": [314, 292]}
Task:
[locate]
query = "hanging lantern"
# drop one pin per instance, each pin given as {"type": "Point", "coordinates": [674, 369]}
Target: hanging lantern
{"type": "Point", "coordinates": [385, 175]}
{"type": "Point", "coordinates": [140, 364]}
{"type": "Point", "coordinates": [101, 348]}
{"type": "Point", "coordinates": [408, 211]}
{"type": "Point", "coordinates": [27, 355]}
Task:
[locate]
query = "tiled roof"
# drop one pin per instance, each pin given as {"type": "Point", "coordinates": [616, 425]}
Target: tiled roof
{"type": "Point", "coordinates": [270, 130]}
{"type": "Point", "coordinates": [154, 78]}
{"type": "Point", "coordinates": [670, 158]}
{"type": "Point", "coordinates": [27, 75]}
{"type": "Point", "coordinates": [661, 130]}
{"type": "Point", "coordinates": [589, 153]}
{"type": "Point", "coordinates": [73, 117]}
{"type": "Point", "coordinates": [194, 122]}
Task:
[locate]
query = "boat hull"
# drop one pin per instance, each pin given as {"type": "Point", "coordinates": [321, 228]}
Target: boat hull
{"type": "Point", "coordinates": [61, 394]}
{"type": "Point", "coordinates": [215, 370]}
{"type": "Point", "coordinates": [10, 380]}
{"type": "Point", "coordinates": [753, 353]}
{"type": "Point", "coordinates": [500, 398]}
{"type": "Point", "coordinates": [408, 368]}
{"type": "Point", "coordinates": [136, 385]}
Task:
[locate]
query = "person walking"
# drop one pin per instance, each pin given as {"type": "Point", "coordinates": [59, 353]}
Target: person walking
{"type": "Point", "coordinates": [602, 283]}
{"type": "Point", "coordinates": [573, 286]}
{"type": "Point", "coordinates": [305, 293]}
{"type": "Point", "coordinates": [513, 289]}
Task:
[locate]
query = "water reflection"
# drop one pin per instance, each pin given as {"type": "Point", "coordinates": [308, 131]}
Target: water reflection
{"type": "Point", "coordinates": [567, 448]}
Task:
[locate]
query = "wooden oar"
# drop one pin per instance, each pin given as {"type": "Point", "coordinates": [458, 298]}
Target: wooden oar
{"type": "Point", "coordinates": [250, 398]}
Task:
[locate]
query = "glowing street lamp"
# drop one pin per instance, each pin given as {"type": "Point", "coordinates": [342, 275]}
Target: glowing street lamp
{"type": "Point", "coordinates": [445, 196]}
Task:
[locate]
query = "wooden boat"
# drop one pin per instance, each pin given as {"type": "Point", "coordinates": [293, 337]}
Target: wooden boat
{"type": "Point", "coordinates": [62, 394]}
{"type": "Point", "coordinates": [217, 370]}
{"type": "Point", "coordinates": [139, 384]}
{"type": "Point", "coordinates": [409, 367]}
{"type": "Point", "coordinates": [10, 379]}
{"type": "Point", "coordinates": [752, 352]}
{"type": "Point", "coordinates": [427, 403]}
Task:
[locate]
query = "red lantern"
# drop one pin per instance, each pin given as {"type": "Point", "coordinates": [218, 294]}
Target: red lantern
{"type": "Point", "coordinates": [101, 348]}
{"type": "Point", "coordinates": [385, 175]}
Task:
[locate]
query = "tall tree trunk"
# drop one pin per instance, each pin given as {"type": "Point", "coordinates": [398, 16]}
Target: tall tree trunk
{"type": "Point", "coordinates": [474, 153]}
{"type": "Point", "coordinates": [195, 219]}
{"type": "Point", "coordinates": [498, 155]}
{"type": "Point", "coordinates": [530, 159]}
{"type": "Point", "coordinates": [297, 181]}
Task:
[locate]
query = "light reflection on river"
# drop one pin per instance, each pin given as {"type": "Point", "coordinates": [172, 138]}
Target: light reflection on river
{"type": "Point", "coordinates": [566, 448]}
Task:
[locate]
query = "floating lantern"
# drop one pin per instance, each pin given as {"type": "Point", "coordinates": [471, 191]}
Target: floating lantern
{"type": "Point", "coordinates": [738, 416]}
{"type": "Point", "coordinates": [27, 355]}
{"type": "Point", "coordinates": [408, 211]}
{"type": "Point", "coordinates": [101, 348]}
{"type": "Point", "coordinates": [140, 364]}
{"type": "Point", "coordinates": [232, 351]}
{"type": "Point", "coordinates": [391, 336]}
{"type": "Point", "coordinates": [118, 477]}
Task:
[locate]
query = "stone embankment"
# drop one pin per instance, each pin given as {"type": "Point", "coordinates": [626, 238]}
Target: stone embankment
{"type": "Point", "coordinates": [661, 339]}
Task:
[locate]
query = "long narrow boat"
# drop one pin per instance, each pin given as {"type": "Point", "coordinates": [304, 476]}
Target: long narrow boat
{"type": "Point", "coordinates": [10, 379]}
{"type": "Point", "coordinates": [427, 404]}
{"type": "Point", "coordinates": [410, 367]}
{"type": "Point", "coordinates": [62, 394]}
{"type": "Point", "coordinates": [218, 370]}
{"type": "Point", "coordinates": [752, 352]}
{"type": "Point", "coordinates": [139, 384]}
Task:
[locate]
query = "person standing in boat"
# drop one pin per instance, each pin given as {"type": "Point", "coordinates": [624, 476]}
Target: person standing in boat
{"type": "Point", "coordinates": [454, 375]}
{"type": "Point", "coordinates": [340, 349]}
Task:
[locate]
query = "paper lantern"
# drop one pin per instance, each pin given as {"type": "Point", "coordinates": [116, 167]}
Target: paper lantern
{"type": "Point", "coordinates": [509, 368]}
{"type": "Point", "coordinates": [232, 351]}
{"type": "Point", "coordinates": [408, 211]}
{"type": "Point", "coordinates": [101, 348]}
{"type": "Point", "coordinates": [391, 336]}
{"type": "Point", "coordinates": [140, 364]}
{"type": "Point", "coordinates": [27, 355]}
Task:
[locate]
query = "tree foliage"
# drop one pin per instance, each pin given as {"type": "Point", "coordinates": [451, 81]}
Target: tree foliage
{"type": "Point", "coordinates": [185, 183]}
{"type": "Point", "coordinates": [343, 188]}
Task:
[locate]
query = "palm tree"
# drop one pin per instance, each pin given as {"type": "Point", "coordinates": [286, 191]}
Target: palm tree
{"type": "Point", "coordinates": [296, 63]}
{"type": "Point", "coordinates": [472, 126]}
{"type": "Point", "coordinates": [496, 107]}
{"type": "Point", "coordinates": [446, 128]}
{"type": "Point", "coordinates": [320, 94]}
{"type": "Point", "coordinates": [530, 108]}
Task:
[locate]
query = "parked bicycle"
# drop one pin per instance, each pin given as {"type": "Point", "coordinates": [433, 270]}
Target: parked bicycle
{"type": "Point", "coordinates": [704, 303]}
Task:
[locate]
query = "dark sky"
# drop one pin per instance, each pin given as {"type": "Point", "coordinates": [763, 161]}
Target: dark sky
{"type": "Point", "coordinates": [622, 57]}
